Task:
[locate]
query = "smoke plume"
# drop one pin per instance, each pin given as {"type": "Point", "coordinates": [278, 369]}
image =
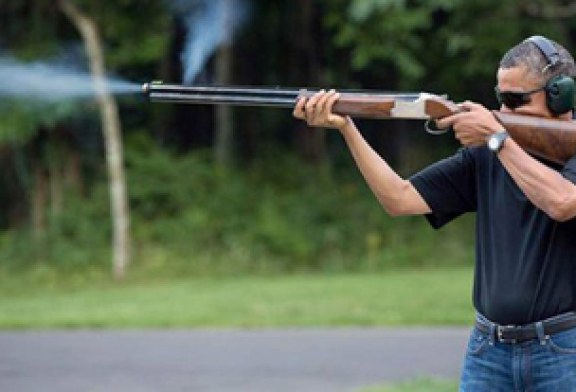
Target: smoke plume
{"type": "Point", "coordinates": [209, 24]}
{"type": "Point", "coordinates": [49, 82]}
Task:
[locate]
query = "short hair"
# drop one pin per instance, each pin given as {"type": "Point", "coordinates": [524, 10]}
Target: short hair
{"type": "Point", "coordinates": [526, 53]}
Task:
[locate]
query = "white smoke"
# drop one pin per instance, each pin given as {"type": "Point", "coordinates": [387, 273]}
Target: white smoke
{"type": "Point", "coordinates": [209, 24]}
{"type": "Point", "coordinates": [49, 82]}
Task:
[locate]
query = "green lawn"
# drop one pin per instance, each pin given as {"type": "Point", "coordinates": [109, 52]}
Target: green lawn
{"type": "Point", "coordinates": [421, 385]}
{"type": "Point", "coordinates": [414, 297]}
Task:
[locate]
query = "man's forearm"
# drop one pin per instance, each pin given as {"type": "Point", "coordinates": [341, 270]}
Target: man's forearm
{"type": "Point", "coordinates": [545, 188]}
{"type": "Point", "coordinates": [395, 194]}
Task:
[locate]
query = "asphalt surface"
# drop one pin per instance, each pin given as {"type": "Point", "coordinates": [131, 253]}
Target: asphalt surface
{"type": "Point", "coordinates": [303, 360]}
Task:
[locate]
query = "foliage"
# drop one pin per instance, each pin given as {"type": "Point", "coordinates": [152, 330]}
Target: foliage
{"type": "Point", "coordinates": [382, 34]}
{"type": "Point", "coordinates": [136, 31]}
{"type": "Point", "coordinates": [279, 210]}
{"type": "Point", "coordinates": [276, 215]}
{"type": "Point", "coordinates": [474, 40]}
{"type": "Point", "coordinates": [75, 240]}
{"type": "Point", "coordinates": [452, 46]}
{"type": "Point", "coordinates": [20, 122]}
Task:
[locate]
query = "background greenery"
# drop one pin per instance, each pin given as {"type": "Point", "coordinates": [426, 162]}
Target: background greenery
{"type": "Point", "coordinates": [285, 199]}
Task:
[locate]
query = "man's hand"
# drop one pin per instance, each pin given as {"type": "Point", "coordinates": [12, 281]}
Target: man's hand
{"type": "Point", "coordinates": [317, 110]}
{"type": "Point", "coordinates": [473, 126]}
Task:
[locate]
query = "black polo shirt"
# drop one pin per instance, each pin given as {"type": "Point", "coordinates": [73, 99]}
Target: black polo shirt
{"type": "Point", "coordinates": [525, 261]}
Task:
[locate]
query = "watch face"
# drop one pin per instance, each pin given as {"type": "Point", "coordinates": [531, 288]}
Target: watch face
{"type": "Point", "coordinates": [496, 140]}
{"type": "Point", "coordinates": [493, 143]}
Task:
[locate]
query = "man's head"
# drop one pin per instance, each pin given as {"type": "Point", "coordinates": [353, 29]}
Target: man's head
{"type": "Point", "coordinates": [543, 71]}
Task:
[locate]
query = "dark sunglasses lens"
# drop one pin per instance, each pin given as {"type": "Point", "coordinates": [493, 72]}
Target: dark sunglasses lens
{"type": "Point", "coordinates": [512, 100]}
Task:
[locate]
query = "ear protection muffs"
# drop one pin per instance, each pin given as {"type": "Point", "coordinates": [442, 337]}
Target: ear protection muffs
{"type": "Point", "coordinates": [559, 89]}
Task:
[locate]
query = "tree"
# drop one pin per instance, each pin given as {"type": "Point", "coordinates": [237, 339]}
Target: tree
{"type": "Point", "coordinates": [112, 135]}
{"type": "Point", "coordinates": [224, 118]}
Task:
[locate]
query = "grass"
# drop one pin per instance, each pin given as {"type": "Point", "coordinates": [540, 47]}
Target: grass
{"type": "Point", "coordinates": [420, 385]}
{"type": "Point", "coordinates": [404, 297]}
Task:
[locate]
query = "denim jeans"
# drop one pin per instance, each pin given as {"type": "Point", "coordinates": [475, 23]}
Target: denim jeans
{"type": "Point", "coordinates": [547, 364]}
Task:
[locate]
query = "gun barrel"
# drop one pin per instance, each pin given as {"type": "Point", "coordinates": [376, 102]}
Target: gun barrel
{"type": "Point", "coordinates": [215, 95]}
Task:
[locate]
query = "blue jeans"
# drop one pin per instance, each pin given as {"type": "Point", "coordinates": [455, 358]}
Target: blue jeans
{"type": "Point", "coordinates": [540, 365]}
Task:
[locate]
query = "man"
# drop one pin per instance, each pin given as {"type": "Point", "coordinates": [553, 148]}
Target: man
{"type": "Point", "coordinates": [525, 274]}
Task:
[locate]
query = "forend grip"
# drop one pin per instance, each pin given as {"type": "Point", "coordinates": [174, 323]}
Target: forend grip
{"type": "Point", "coordinates": [415, 106]}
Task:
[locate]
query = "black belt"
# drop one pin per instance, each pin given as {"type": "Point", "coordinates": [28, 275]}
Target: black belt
{"type": "Point", "coordinates": [521, 333]}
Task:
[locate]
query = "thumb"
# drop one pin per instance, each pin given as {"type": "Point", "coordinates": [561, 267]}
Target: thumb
{"type": "Point", "coordinates": [336, 120]}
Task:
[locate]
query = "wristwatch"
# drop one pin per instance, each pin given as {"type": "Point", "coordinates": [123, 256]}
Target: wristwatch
{"type": "Point", "coordinates": [496, 141]}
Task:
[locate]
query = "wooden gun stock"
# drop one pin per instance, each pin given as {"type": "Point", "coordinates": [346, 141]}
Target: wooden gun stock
{"type": "Point", "coordinates": [550, 139]}
{"type": "Point", "coordinates": [553, 140]}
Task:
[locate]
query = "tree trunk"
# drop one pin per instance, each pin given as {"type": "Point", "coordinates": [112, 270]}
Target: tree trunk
{"type": "Point", "coordinates": [224, 121]}
{"type": "Point", "coordinates": [311, 143]}
{"type": "Point", "coordinates": [73, 171]}
{"type": "Point", "coordinates": [112, 136]}
{"type": "Point", "coordinates": [39, 201]}
{"type": "Point", "coordinates": [55, 170]}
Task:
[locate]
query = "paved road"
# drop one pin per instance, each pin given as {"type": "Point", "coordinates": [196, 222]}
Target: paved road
{"type": "Point", "coordinates": [303, 360]}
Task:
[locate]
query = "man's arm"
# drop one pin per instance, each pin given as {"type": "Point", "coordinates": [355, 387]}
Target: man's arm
{"type": "Point", "coordinates": [396, 195]}
{"type": "Point", "coordinates": [545, 188]}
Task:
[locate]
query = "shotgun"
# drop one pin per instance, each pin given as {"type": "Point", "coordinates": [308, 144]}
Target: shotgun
{"type": "Point", "coordinates": [550, 139]}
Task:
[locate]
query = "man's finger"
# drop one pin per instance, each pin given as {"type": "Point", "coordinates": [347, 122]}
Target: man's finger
{"type": "Point", "coordinates": [321, 104]}
{"type": "Point", "coordinates": [312, 102]}
{"type": "Point", "coordinates": [299, 108]}
{"type": "Point", "coordinates": [469, 105]}
{"type": "Point", "coordinates": [449, 121]}
{"type": "Point", "coordinates": [333, 96]}
{"type": "Point", "coordinates": [445, 122]}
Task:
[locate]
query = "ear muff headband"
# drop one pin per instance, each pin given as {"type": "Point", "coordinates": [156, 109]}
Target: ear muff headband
{"type": "Point", "coordinates": [548, 50]}
{"type": "Point", "coordinates": [559, 89]}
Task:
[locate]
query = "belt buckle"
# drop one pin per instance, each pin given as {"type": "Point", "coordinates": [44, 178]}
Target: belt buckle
{"type": "Point", "coordinates": [500, 330]}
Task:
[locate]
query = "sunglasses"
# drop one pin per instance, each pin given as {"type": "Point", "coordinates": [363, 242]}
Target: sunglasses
{"type": "Point", "coordinates": [513, 99]}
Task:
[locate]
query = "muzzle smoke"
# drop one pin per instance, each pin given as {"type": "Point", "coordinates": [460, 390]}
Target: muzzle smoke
{"type": "Point", "coordinates": [209, 24]}
{"type": "Point", "coordinates": [50, 83]}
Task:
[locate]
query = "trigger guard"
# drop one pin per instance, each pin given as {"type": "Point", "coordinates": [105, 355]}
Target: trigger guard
{"type": "Point", "coordinates": [433, 130]}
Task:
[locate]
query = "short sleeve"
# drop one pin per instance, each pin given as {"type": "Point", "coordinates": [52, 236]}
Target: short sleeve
{"type": "Point", "coordinates": [569, 170]}
{"type": "Point", "coordinates": [448, 187]}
